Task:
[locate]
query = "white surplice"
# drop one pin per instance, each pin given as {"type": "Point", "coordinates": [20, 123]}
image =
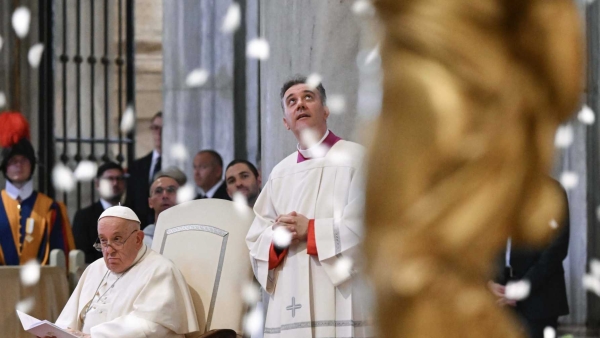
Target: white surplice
{"type": "Point", "coordinates": [151, 299]}
{"type": "Point", "coordinates": [310, 297]}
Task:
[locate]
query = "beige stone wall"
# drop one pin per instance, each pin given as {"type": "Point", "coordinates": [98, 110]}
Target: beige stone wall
{"type": "Point", "coordinates": [148, 67]}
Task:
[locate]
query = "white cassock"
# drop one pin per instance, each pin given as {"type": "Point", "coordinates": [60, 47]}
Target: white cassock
{"type": "Point", "coordinates": [309, 296]}
{"type": "Point", "coordinates": [151, 299]}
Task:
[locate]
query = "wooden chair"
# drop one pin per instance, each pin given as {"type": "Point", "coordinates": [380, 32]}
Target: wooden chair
{"type": "Point", "coordinates": [206, 241]}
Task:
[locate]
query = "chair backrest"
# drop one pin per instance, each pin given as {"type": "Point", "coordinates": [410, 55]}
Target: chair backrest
{"type": "Point", "coordinates": [206, 241]}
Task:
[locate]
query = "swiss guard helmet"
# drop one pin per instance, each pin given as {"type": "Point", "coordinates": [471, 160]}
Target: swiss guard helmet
{"type": "Point", "coordinates": [14, 140]}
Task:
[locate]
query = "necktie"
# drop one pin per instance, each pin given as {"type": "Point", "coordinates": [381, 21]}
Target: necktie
{"type": "Point", "coordinates": [156, 167]}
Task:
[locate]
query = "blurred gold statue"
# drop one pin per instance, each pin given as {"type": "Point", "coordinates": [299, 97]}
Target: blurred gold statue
{"type": "Point", "coordinates": [474, 91]}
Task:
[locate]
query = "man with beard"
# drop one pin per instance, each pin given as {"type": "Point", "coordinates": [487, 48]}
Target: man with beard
{"type": "Point", "coordinates": [110, 184]}
{"type": "Point", "coordinates": [241, 176]}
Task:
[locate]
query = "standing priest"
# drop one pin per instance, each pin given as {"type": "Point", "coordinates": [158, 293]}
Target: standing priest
{"type": "Point", "coordinates": [316, 194]}
{"type": "Point", "coordinates": [132, 292]}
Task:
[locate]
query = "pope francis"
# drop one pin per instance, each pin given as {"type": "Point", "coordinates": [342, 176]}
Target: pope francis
{"type": "Point", "coordinates": [131, 292]}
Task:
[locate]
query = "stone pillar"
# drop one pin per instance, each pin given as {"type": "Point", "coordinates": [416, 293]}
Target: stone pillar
{"type": "Point", "coordinates": [200, 117]}
{"type": "Point", "coordinates": [305, 37]}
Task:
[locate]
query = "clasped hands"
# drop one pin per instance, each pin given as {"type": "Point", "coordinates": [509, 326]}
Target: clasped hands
{"type": "Point", "coordinates": [296, 224]}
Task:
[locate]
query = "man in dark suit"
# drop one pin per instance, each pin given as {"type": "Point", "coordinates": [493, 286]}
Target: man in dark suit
{"type": "Point", "coordinates": [110, 183]}
{"type": "Point", "coordinates": [208, 173]}
{"type": "Point", "coordinates": [543, 269]}
{"type": "Point", "coordinates": [141, 174]}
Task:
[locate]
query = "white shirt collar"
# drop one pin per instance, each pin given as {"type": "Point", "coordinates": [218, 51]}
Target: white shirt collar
{"type": "Point", "coordinates": [315, 150]}
{"type": "Point", "coordinates": [24, 192]}
{"type": "Point", "coordinates": [211, 192]}
{"type": "Point", "coordinates": [155, 155]}
{"type": "Point", "coordinates": [105, 204]}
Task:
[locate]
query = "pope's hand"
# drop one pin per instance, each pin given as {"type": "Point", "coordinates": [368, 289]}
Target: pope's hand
{"type": "Point", "coordinates": [78, 333]}
{"type": "Point", "coordinates": [499, 291]}
{"type": "Point", "coordinates": [296, 223]}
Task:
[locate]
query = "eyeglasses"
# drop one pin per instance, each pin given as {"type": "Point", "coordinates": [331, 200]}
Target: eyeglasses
{"type": "Point", "coordinates": [170, 190]}
{"type": "Point", "coordinates": [102, 244]}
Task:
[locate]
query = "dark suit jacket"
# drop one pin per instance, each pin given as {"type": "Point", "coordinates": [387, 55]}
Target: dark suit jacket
{"type": "Point", "coordinates": [85, 230]}
{"type": "Point", "coordinates": [221, 193]}
{"type": "Point", "coordinates": [138, 187]}
{"type": "Point", "coordinates": [544, 270]}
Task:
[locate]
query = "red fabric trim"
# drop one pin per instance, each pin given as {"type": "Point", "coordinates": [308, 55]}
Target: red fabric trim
{"type": "Point", "coordinates": [311, 242]}
{"type": "Point", "coordinates": [274, 258]}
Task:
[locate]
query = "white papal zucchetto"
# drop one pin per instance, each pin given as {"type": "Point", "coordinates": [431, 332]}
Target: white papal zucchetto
{"type": "Point", "coordinates": [121, 212]}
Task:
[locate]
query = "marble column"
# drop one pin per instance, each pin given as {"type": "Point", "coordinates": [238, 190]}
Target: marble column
{"type": "Point", "coordinates": [199, 117]}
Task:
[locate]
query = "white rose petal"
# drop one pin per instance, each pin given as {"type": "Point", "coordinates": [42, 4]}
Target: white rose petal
{"type": "Point", "coordinates": [240, 202]}
{"type": "Point", "coordinates": [232, 19]}
{"type": "Point", "coordinates": [186, 193]}
{"type": "Point", "coordinates": [20, 21]}
{"type": "Point", "coordinates": [196, 78]}
{"type": "Point", "coordinates": [105, 189]}
{"type": "Point", "coordinates": [63, 178]}
{"type": "Point", "coordinates": [586, 115]}
{"type": "Point", "coordinates": [363, 8]}
{"type": "Point", "coordinates": [569, 179]}
{"type": "Point", "coordinates": [518, 290]}
{"type": "Point", "coordinates": [258, 49]}
{"type": "Point", "coordinates": [343, 266]}
{"type": "Point", "coordinates": [35, 55]}
{"type": "Point", "coordinates": [563, 137]}
{"type": "Point", "coordinates": [253, 322]}
{"type": "Point", "coordinates": [128, 120]}
{"type": "Point", "coordinates": [86, 171]}
{"type": "Point", "coordinates": [250, 294]}
{"type": "Point", "coordinates": [553, 224]}
{"type": "Point", "coordinates": [1, 42]}
{"type": "Point", "coordinates": [549, 332]}
{"type": "Point", "coordinates": [26, 305]}
{"type": "Point", "coordinates": [591, 283]}
{"type": "Point", "coordinates": [282, 237]}
{"type": "Point", "coordinates": [313, 81]}
{"type": "Point", "coordinates": [179, 152]}
{"type": "Point", "coordinates": [2, 100]}
{"type": "Point", "coordinates": [30, 273]}
{"type": "Point", "coordinates": [336, 104]}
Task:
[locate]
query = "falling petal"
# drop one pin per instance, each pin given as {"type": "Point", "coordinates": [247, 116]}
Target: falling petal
{"type": "Point", "coordinates": [196, 78]}
{"type": "Point", "coordinates": [554, 224]}
{"type": "Point", "coordinates": [310, 139]}
{"type": "Point", "coordinates": [569, 180]}
{"type": "Point", "coordinates": [591, 283]}
{"type": "Point", "coordinates": [2, 100]}
{"type": "Point", "coordinates": [253, 322]}
{"type": "Point", "coordinates": [240, 202]}
{"type": "Point", "coordinates": [63, 178]}
{"type": "Point", "coordinates": [105, 189]}
{"type": "Point", "coordinates": [128, 120]}
{"type": "Point", "coordinates": [517, 290]}
{"type": "Point", "coordinates": [179, 152]}
{"type": "Point", "coordinates": [26, 305]}
{"type": "Point", "coordinates": [363, 8]}
{"type": "Point", "coordinates": [549, 332]}
{"type": "Point", "coordinates": [20, 20]}
{"type": "Point", "coordinates": [343, 266]}
{"type": "Point", "coordinates": [282, 237]}
{"type": "Point", "coordinates": [30, 273]}
{"type": "Point", "coordinates": [372, 56]}
{"type": "Point", "coordinates": [35, 55]}
{"type": "Point", "coordinates": [313, 81]}
{"type": "Point", "coordinates": [586, 115]}
{"type": "Point", "coordinates": [595, 268]}
{"type": "Point", "coordinates": [250, 294]}
{"type": "Point", "coordinates": [258, 49]}
{"type": "Point", "coordinates": [336, 104]}
{"type": "Point", "coordinates": [86, 171]}
{"type": "Point", "coordinates": [232, 19]}
{"type": "Point", "coordinates": [1, 42]}
{"type": "Point", "coordinates": [368, 61]}
{"type": "Point", "coordinates": [563, 137]}
{"type": "Point", "coordinates": [186, 193]}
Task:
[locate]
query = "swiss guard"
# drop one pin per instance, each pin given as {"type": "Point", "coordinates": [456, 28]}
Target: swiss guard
{"type": "Point", "coordinates": [31, 223]}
